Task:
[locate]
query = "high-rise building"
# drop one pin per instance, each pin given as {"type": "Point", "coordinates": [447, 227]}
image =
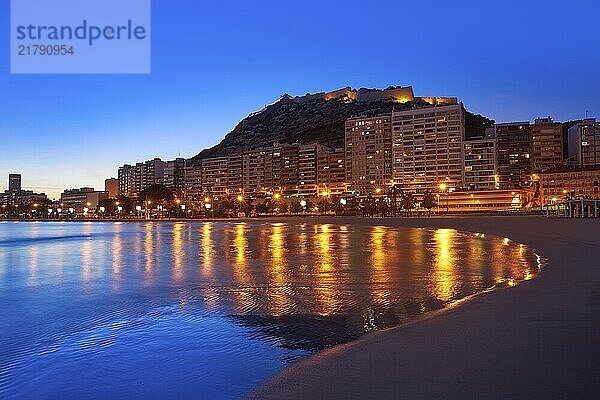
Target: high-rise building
{"type": "Point", "coordinates": [111, 186]}
{"type": "Point", "coordinates": [307, 169]}
{"type": "Point", "coordinates": [235, 173]}
{"type": "Point", "coordinates": [584, 142]}
{"type": "Point", "coordinates": [174, 174]}
{"type": "Point", "coordinates": [290, 176]}
{"type": "Point", "coordinates": [135, 178]}
{"type": "Point", "coordinates": [480, 162]}
{"type": "Point", "coordinates": [14, 183]}
{"type": "Point", "coordinates": [254, 171]}
{"type": "Point", "coordinates": [273, 165]}
{"type": "Point", "coordinates": [546, 145]}
{"type": "Point", "coordinates": [331, 171]}
{"type": "Point", "coordinates": [193, 178]}
{"type": "Point", "coordinates": [214, 176]}
{"type": "Point", "coordinates": [368, 153]}
{"type": "Point", "coordinates": [513, 155]}
{"type": "Point", "coordinates": [428, 147]}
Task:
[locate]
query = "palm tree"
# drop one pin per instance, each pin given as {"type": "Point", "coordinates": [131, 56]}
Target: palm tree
{"type": "Point", "coordinates": [408, 202]}
{"type": "Point", "coordinates": [394, 192]}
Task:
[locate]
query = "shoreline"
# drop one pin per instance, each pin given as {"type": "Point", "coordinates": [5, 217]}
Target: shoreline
{"type": "Point", "coordinates": [537, 339]}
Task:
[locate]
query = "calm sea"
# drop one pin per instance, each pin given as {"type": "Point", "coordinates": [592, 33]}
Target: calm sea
{"type": "Point", "coordinates": [209, 310]}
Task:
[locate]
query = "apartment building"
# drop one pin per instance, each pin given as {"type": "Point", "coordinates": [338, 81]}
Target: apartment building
{"type": "Point", "coordinates": [428, 147]}
{"type": "Point", "coordinates": [546, 145]}
{"type": "Point", "coordinates": [307, 169]}
{"type": "Point", "coordinates": [368, 153]}
{"type": "Point", "coordinates": [560, 183]}
{"type": "Point", "coordinates": [480, 162]}
{"type": "Point", "coordinates": [135, 178]}
{"type": "Point", "coordinates": [174, 176]}
{"type": "Point", "coordinates": [214, 176]}
{"type": "Point", "coordinates": [513, 155]}
{"type": "Point", "coordinates": [584, 142]}
{"type": "Point", "coordinates": [331, 171]}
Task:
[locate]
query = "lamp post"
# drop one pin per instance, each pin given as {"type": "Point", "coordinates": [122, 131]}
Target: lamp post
{"type": "Point", "coordinates": [443, 188]}
{"type": "Point", "coordinates": [303, 204]}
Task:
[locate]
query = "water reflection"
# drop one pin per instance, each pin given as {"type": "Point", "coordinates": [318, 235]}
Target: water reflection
{"type": "Point", "coordinates": [293, 287]}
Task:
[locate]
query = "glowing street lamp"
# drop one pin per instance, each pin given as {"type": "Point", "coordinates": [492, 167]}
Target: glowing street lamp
{"type": "Point", "coordinates": [240, 198]}
{"type": "Point", "coordinates": [276, 196]}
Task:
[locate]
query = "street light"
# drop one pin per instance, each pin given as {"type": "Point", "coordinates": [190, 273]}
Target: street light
{"type": "Point", "coordinates": [443, 188]}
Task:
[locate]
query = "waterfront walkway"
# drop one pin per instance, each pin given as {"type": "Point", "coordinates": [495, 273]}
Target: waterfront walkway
{"type": "Point", "coordinates": [538, 340]}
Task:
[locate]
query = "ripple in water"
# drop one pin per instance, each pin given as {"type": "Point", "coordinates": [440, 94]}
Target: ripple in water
{"type": "Point", "coordinates": [209, 310]}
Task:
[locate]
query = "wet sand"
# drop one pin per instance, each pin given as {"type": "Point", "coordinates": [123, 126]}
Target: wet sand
{"type": "Point", "coordinates": [537, 340]}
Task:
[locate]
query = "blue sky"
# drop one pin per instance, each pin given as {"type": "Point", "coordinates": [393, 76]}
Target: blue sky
{"type": "Point", "coordinates": [215, 62]}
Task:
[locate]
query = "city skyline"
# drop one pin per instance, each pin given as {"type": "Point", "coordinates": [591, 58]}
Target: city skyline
{"type": "Point", "coordinates": [86, 126]}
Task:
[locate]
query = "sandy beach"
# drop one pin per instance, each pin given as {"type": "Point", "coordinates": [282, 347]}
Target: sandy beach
{"type": "Point", "coordinates": [537, 340]}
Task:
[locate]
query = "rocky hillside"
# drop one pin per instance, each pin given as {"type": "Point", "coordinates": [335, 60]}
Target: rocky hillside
{"type": "Point", "coordinates": [309, 119]}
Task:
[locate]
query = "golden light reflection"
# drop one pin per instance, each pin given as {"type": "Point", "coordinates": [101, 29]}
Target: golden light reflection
{"type": "Point", "coordinates": [444, 276]}
{"type": "Point", "coordinates": [380, 274]}
{"type": "Point", "coordinates": [280, 299]}
{"type": "Point", "coordinates": [116, 249]}
{"type": "Point", "coordinates": [178, 252]}
{"type": "Point", "coordinates": [148, 252]}
{"type": "Point", "coordinates": [244, 293]}
{"type": "Point", "coordinates": [207, 249]}
{"type": "Point", "coordinates": [326, 292]}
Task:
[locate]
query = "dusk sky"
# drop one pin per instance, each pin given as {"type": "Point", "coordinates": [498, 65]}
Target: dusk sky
{"type": "Point", "coordinates": [215, 62]}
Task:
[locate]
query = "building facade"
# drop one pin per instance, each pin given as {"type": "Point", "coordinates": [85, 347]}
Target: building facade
{"type": "Point", "coordinates": [584, 142]}
{"type": "Point", "coordinates": [331, 172]}
{"type": "Point", "coordinates": [214, 176]}
{"type": "Point", "coordinates": [135, 178]}
{"type": "Point", "coordinates": [428, 147]}
{"type": "Point", "coordinates": [561, 183]}
{"type": "Point", "coordinates": [14, 182]}
{"type": "Point", "coordinates": [111, 186]}
{"type": "Point", "coordinates": [513, 155]}
{"type": "Point", "coordinates": [82, 198]}
{"type": "Point", "coordinates": [480, 162]}
{"type": "Point", "coordinates": [368, 153]}
{"type": "Point", "coordinates": [174, 174]}
{"type": "Point", "coordinates": [546, 145]}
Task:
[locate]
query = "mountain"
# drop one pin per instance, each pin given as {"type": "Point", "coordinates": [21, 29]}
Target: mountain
{"type": "Point", "coordinates": [321, 118]}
